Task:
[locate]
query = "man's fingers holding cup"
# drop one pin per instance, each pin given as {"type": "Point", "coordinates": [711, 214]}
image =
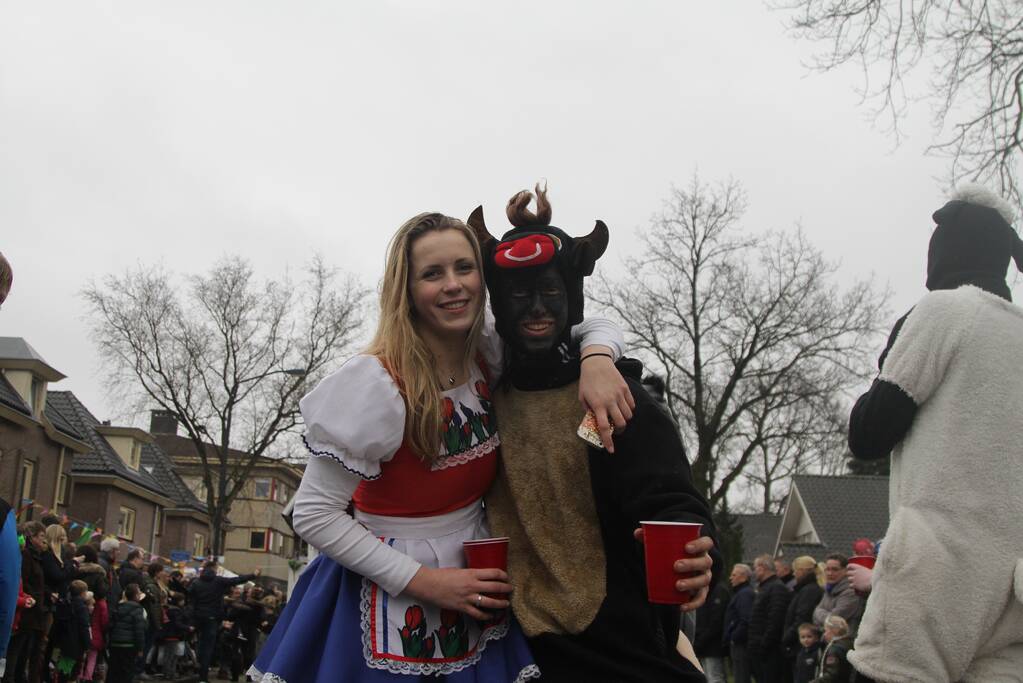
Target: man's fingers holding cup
{"type": "Point", "coordinates": [699, 597]}
{"type": "Point", "coordinates": [693, 564]}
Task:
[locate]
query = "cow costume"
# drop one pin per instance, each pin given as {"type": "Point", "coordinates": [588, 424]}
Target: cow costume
{"type": "Point", "coordinates": [947, 597]}
{"type": "Point", "coordinates": [570, 508]}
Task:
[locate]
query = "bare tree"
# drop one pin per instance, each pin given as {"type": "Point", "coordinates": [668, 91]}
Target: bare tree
{"type": "Point", "coordinates": [229, 357]}
{"type": "Point", "coordinates": [975, 48]}
{"type": "Point", "coordinates": [756, 343]}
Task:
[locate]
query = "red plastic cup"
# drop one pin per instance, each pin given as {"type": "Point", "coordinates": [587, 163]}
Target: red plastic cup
{"type": "Point", "coordinates": [663, 544]}
{"type": "Point", "coordinates": [487, 553]}
{"type": "Point", "coordinates": [863, 560]}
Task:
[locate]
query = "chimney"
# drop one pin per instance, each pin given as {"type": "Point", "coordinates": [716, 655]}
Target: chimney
{"type": "Point", "coordinates": [162, 422]}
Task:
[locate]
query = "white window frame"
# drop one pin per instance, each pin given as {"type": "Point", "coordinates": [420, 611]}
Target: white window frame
{"type": "Point", "coordinates": [126, 523]}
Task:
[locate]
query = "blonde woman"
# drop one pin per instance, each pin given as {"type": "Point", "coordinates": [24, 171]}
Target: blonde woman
{"type": "Point", "coordinates": [805, 595]}
{"type": "Point", "coordinates": [405, 433]}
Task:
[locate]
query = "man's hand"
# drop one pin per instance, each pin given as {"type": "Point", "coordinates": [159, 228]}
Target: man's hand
{"type": "Point", "coordinates": [698, 567]}
{"type": "Point", "coordinates": [860, 577]}
{"type": "Point", "coordinates": [603, 390]}
{"type": "Point", "coordinates": [258, 571]}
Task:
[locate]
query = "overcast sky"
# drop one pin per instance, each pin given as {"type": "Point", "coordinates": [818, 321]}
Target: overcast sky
{"type": "Point", "coordinates": [178, 132]}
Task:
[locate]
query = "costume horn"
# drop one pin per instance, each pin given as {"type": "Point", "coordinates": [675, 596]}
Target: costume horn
{"type": "Point", "coordinates": [586, 250]}
{"type": "Point", "coordinates": [479, 227]}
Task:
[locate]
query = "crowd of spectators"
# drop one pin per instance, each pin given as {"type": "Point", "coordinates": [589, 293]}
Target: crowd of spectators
{"type": "Point", "coordinates": [83, 616]}
{"type": "Point", "coordinates": [781, 622]}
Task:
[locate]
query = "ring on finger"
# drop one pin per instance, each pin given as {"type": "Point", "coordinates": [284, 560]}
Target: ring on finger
{"type": "Point", "coordinates": [479, 599]}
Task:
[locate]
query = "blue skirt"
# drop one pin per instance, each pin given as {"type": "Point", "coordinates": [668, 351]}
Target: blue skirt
{"type": "Point", "coordinates": [320, 638]}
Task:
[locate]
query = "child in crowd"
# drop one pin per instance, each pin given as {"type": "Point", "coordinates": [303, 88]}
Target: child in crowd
{"type": "Point", "coordinates": [100, 619]}
{"type": "Point", "coordinates": [74, 639]}
{"type": "Point", "coordinates": [809, 657]}
{"type": "Point", "coordinates": [127, 635]}
{"type": "Point", "coordinates": [173, 635]}
{"type": "Point", "coordinates": [835, 666]}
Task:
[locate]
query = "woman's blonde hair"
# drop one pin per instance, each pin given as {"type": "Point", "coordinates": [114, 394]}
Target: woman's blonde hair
{"type": "Point", "coordinates": [807, 562]}
{"type": "Point", "coordinates": [55, 537]}
{"type": "Point", "coordinates": [398, 344]}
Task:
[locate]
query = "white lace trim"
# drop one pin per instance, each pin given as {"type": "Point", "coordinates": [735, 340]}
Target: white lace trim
{"type": "Point", "coordinates": [527, 673]}
{"type": "Point", "coordinates": [531, 671]}
{"type": "Point", "coordinates": [462, 457]}
{"type": "Point", "coordinates": [425, 668]}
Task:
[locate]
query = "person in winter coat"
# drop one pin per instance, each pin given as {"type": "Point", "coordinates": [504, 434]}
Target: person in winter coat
{"type": "Point", "coordinates": [766, 623]}
{"type": "Point", "coordinates": [947, 595]}
{"type": "Point", "coordinates": [737, 616]}
{"type": "Point", "coordinates": [808, 659]}
{"type": "Point", "coordinates": [172, 636]}
{"type": "Point", "coordinates": [805, 597]}
{"type": "Point", "coordinates": [206, 595]}
{"type": "Point", "coordinates": [127, 635]}
{"type": "Point", "coordinates": [32, 620]}
{"type": "Point", "coordinates": [835, 667]}
{"type": "Point", "coordinates": [710, 628]}
{"type": "Point", "coordinates": [92, 573]}
{"type": "Point", "coordinates": [839, 597]}
{"type": "Point", "coordinates": [131, 570]}
{"type": "Point", "coordinates": [154, 602]}
{"type": "Point", "coordinates": [99, 624]}
{"type": "Point", "coordinates": [108, 549]}
{"type": "Point", "coordinates": [74, 639]}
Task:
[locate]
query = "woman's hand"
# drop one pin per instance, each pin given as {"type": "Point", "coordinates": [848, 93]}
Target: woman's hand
{"type": "Point", "coordinates": [461, 589]}
{"type": "Point", "coordinates": [603, 390]}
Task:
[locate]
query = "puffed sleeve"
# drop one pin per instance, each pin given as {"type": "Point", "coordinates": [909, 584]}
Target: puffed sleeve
{"type": "Point", "coordinates": [590, 332]}
{"type": "Point", "coordinates": [355, 416]}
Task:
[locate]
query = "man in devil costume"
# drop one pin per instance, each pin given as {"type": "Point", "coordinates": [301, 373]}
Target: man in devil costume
{"type": "Point", "coordinates": [569, 508]}
{"type": "Point", "coordinates": [947, 596]}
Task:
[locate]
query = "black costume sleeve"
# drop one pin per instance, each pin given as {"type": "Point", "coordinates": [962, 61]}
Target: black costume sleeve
{"type": "Point", "coordinates": [882, 416]}
{"type": "Point", "coordinates": [653, 479]}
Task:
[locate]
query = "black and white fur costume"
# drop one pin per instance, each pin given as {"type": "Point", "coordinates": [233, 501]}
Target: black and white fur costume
{"type": "Point", "coordinates": [947, 597]}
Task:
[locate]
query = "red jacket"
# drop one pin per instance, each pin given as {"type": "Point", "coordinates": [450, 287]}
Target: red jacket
{"type": "Point", "coordinates": [100, 622]}
{"type": "Point", "coordinates": [22, 600]}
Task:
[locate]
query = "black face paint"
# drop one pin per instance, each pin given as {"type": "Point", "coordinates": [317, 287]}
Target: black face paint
{"type": "Point", "coordinates": [534, 305]}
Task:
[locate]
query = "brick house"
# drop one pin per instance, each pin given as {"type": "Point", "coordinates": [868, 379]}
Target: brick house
{"type": "Point", "coordinates": [128, 486]}
{"type": "Point", "coordinates": [38, 444]}
{"type": "Point", "coordinates": [257, 535]}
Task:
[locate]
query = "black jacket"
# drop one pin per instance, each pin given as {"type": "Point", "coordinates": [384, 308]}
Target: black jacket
{"type": "Point", "coordinates": [807, 662]}
{"type": "Point", "coordinates": [127, 574]}
{"type": "Point", "coordinates": [74, 638]}
{"type": "Point", "coordinates": [737, 615]}
{"type": "Point", "coordinates": [128, 625]}
{"type": "Point", "coordinates": [58, 576]}
{"type": "Point", "coordinates": [177, 625]}
{"type": "Point", "coordinates": [804, 599]}
{"type": "Point", "coordinates": [768, 616]}
{"type": "Point", "coordinates": [113, 584]}
{"type": "Point", "coordinates": [33, 582]}
{"type": "Point", "coordinates": [206, 594]}
{"type": "Point", "coordinates": [710, 622]}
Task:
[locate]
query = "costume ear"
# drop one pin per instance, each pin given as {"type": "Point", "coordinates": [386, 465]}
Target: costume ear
{"type": "Point", "coordinates": [479, 227]}
{"type": "Point", "coordinates": [586, 250]}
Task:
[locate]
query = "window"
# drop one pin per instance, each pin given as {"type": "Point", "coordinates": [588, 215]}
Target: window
{"type": "Point", "coordinates": [28, 475]}
{"type": "Point", "coordinates": [63, 491]}
{"type": "Point", "coordinates": [280, 492]}
{"type": "Point", "coordinates": [157, 522]}
{"type": "Point", "coordinates": [37, 396]}
{"type": "Point", "coordinates": [198, 545]}
{"type": "Point", "coordinates": [277, 542]}
{"type": "Point", "coordinates": [126, 524]}
{"type": "Point", "coordinates": [262, 488]}
{"type": "Point", "coordinates": [136, 455]}
{"type": "Point", "coordinates": [257, 540]}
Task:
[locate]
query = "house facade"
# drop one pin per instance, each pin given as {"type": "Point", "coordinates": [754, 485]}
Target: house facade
{"type": "Point", "coordinates": [826, 514]}
{"type": "Point", "coordinates": [257, 535]}
{"type": "Point", "coordinates": [38, 444]}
